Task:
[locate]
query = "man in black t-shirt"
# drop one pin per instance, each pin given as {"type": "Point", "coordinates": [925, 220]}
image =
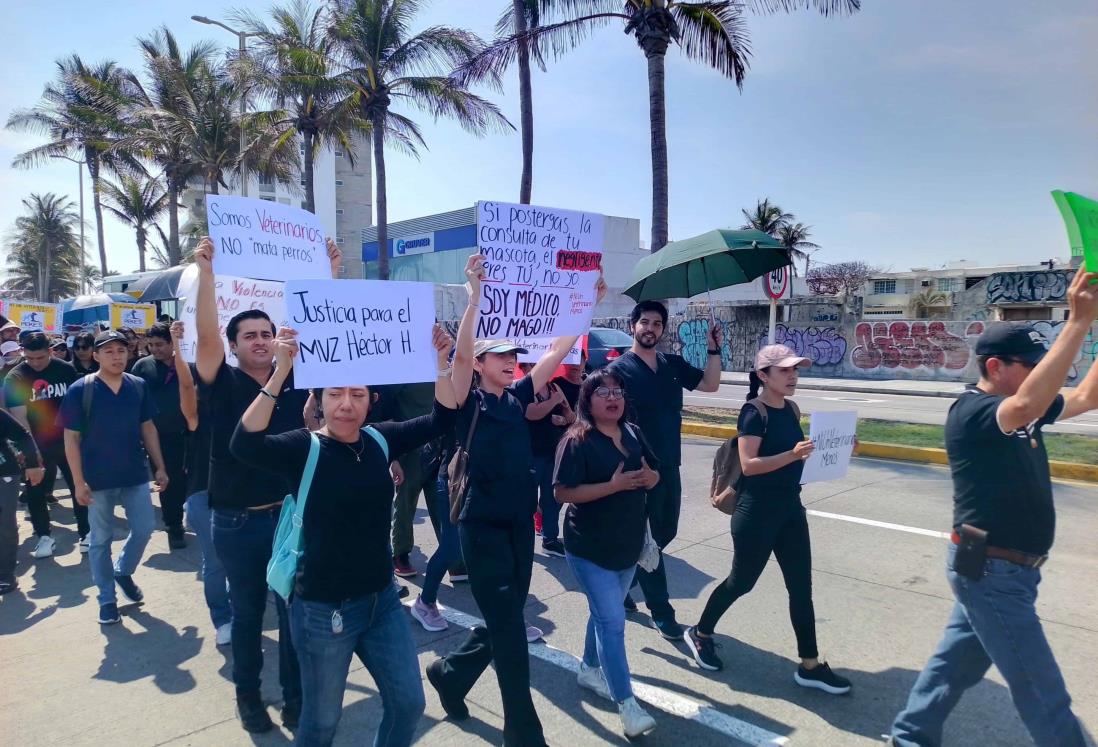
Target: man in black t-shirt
{"type": "Point", "coordinates": [245, 501]}
{"type": "Point", "coordinates": [1001, 487]}
{"type": "Point", "coordinates": [654, 383]}
{"type": "Point", "coordinates": [158, 371]}
{"type": "Point", "coordinates": [33, 391]}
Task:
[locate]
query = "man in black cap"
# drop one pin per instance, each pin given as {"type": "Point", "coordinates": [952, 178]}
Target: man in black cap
{"type": "Point", "coordinates": [1003, 526]}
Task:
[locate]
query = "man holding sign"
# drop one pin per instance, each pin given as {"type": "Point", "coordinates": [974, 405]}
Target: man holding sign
{"type": "Point", "coordinates": [245, 501]}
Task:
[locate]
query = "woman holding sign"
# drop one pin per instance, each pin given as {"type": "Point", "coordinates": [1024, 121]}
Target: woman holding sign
{"type": "Point", "coordinates": [769, 517]}
{"type": "Point", "coordinates": [344, 601]}
{"type": "Point", "coordinates": [496, 524]}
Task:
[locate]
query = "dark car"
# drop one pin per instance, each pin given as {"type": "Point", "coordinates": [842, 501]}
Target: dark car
{"type": "Point", "coordinates": [604, 344]}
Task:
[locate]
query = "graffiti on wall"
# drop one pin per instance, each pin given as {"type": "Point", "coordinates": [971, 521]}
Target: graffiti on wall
{"type": "Point", "coordinates": [824, 346]}
{"type": "Point", "coordinates": [693, 342]}
{"type": "Point", "coordinates": [929, 346]}
{"type": "Point", "coordinates": [1028, 287]}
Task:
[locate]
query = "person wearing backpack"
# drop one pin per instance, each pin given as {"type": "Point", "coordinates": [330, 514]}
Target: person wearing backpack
{"type": "Point", "coordinates": [110, 439]}
{"type": "Point", "coordinates": [343, 602]}
{"type": "Point", "coordinates": [769, 518]}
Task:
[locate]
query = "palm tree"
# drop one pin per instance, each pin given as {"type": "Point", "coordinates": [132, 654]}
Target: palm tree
{"type": "Point", "coordinates": [44, 256]}
{"type": "Point", "coordinates": [382, 62]}
{"type": "Point", "coordinates": [77, 112]}
{"type": "Point", "coordinates": [766, 217]}
{"type": "Point", "coordinates": [159, 250]}
{"type": "Point", "coordinates": [794, 237]}
{"type": "Point", "coordinates": [138, 202]}
{"type": "Point", "coordinates": [921, 303]}
{"type": "Point", "coordinates": [712, 32]}
{"type": "Point", "coordinates": [171, 77]}
{"type": "Point", "coordinates": [294, 59]}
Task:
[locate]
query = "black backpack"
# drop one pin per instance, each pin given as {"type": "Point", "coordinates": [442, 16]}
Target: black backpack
{"type": "Point", "coordinates": [724, 488]}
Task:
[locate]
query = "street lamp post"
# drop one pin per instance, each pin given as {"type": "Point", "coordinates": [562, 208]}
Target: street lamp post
{"type": "Point", "coordinates": [83, 259]}
{"type": "Point", "coordinates": [242, 37]}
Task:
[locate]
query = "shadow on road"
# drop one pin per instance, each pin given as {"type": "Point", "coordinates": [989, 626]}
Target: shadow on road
{"type": "Point", "coordinates": [157, 650]}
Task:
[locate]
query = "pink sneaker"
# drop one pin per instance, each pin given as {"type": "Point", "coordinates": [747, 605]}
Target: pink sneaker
{"type": "Point", "coordinates": [428, 616]}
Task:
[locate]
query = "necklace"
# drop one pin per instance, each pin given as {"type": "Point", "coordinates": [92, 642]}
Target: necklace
{"type": "Point", "coordinates": [358, 452]}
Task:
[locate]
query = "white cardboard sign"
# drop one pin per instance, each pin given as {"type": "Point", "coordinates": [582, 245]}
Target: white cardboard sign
{"type": "Point", "coordinates": [833, 433]}
{"type": "Point", "coordinates": [359, 332]}
{"type": "Point", "coordinates": [541, 266]}
{"type": "Point", "coordinates": [262, 239]}
{"type": "Point", "coordinates": [232, 296]}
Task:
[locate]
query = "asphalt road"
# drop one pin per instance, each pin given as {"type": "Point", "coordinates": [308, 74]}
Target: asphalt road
{"type": "Point", "coordinates": [880, 596]}
{"type": "Point", "coordinates": [910, 409]}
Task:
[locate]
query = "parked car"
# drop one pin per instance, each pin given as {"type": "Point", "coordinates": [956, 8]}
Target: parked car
{"type": "Point", "coordinates": [604, 344]}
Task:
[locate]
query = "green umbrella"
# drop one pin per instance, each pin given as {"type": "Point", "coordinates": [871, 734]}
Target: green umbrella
{"type": "Point", "coordinates": [715, 259]}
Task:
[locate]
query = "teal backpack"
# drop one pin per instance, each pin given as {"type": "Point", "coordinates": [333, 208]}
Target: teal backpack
{"type": "Point", "coordinates": [289, 542]}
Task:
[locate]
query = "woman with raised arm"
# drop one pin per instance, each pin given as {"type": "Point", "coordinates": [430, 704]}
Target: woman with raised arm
{"type": "Point", "coordinates": [344, 602]}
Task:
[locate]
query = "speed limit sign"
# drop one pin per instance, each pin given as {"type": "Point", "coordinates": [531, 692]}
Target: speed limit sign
{"type": "Point", "coordinates": [776, 282]}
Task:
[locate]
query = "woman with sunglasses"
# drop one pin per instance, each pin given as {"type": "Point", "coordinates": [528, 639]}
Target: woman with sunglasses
{"type": "Point", "coordinates": [603, 472]}
{"type": "Point", "coordinates": [82, 359]}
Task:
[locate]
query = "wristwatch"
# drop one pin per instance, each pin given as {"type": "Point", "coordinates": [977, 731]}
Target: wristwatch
{"type": "Point", "coordinates": [713, 352]}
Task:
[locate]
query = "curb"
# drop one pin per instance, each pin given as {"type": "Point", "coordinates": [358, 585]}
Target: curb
{"type": "Point", "coordinates": [1063, 470]}
{"type": "Point", "coordinates": [822, 385]}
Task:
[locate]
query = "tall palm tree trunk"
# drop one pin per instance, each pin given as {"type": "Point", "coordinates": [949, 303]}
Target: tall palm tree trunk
{"type": "Point", "coordinates": [658, 132]}
{"type": "Point", "coordinates": [141, 248]}
{"type": "Point", "coordinates": [378, 134]}
{"type": "Point", "coordinates": [93, 171]}
{"type": "Point", "coordinates": [526, 106]}
{"type": "Point", "coordinates": [175, 256]}
{"type": "Point", "coordinates": [309, 204]}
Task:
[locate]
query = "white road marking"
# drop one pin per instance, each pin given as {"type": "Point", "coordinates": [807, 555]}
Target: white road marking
{"type": "Point", "coordinates": [880, 524]}
{"type": "Point", "coordinates": [657, 697]}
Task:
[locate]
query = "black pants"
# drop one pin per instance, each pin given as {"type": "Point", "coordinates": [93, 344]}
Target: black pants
{"type": "Point", "coordinates": [500, 559]}
{"type": "Point", "coordinates": [664, 504]}
{"type": "Point", "coordinates": [762, 526]}
{"type": "Point", "coordinates": [53, 458]}
{"type": "Point", "coordinates": [172, 447]}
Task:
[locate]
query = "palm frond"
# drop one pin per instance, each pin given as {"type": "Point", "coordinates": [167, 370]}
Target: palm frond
{"type": "Point", "coordinates": [824, 7]}
{"type": "Point", "coordinates": [716, 34]}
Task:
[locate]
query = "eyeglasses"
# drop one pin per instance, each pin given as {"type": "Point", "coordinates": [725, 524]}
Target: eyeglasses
{"type": "Point", "coordinates": [610, 392]}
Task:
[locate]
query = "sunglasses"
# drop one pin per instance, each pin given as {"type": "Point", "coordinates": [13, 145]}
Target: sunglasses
{"type": "Point", "coordinates": [610, 392]}
{"type": "Point", "coordinates": [81, 347]}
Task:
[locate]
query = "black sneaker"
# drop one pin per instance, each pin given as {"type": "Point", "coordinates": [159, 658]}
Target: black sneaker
{"type": "Point", "coordinates": [630, 605]}
{"type": "Point", "coordinates": [704, 650]}
{"type": "Point", "coordinates": [176, 540]}
{"type": "Point", "coordinates": [668, 628]}
{"type": "Point", "coordinates": [8, 586]}
{"type": "Point", "coordinates": [402, 591]}
{"type": "Point", "coordinates": [553, 547]}
{"type": "Point", "coordinates": [108, 614]}
{"type": "Point", "coordinates": [822, 678]}
{"type": "Point", "coordinates": [291, 714]}
{"type": "Point", "coordinates": [130, 590]}
{"type": "Point", "coordinates": [454, 706]}
{"type": "Point", "coordinates": [253, 714]}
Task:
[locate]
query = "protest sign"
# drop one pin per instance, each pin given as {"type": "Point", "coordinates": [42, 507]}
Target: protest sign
{"type": "Point", "coordinates": [267, 240]}
{"type": "Point", "coordinates": [1081, 219]}
{"type": "Point", "coordinates": [31, 315]}
{"type": "Point", "coordinates": [539, 346]}
{"type": "Point", "coordinates": [232, 295]}
{"type": "Point", "coordinates": [137, 316]}
{"type": "Point", "coordinates": [357, 332]}
{"type": "Point", "coordinates": [833, 435]}
{"type": "Point", "coordinates": [541, 266]}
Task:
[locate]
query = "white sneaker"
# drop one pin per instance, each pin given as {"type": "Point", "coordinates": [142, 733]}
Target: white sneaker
{"type": "Point", "coordinates": [635, 721]}
{"type": "Point", "coordinates": [224, 634]}
{"type": "Point", "coordinates": [44, 548]}
{"type": "Point", "coordinates": [593, 679]}
{"type": "Point", "coordinates": [84, 544]}
{"type": "Point", "coordinates": [534, 633]}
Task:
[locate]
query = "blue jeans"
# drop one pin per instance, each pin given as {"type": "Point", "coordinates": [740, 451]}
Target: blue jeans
{"type": "Point", "coordinates": [376, 630]}
{"type": "Point", "coordinates": [994, 622]}
{"type": "Point", "coordinates": [214, 583]}
{"type": "Point", "coordinates": [605, 644]}
{"type": "Point", "coordinates": [550, 509]}
{"type": "Point", "coordinates": [243, 542]}
{"type": "Point", "coordinates": [449, 543]}
{"type": "Point", "coordinates": [136, 501]}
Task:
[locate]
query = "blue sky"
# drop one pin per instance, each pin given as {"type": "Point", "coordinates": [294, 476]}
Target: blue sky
{"type": "Point", "coordinates": [914, 133]}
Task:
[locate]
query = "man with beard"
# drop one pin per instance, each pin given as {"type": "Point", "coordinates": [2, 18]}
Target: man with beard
{"type": "Point", "coordinates": [653, 387]}
{"type": "Point", "coordinates": [245, 502]}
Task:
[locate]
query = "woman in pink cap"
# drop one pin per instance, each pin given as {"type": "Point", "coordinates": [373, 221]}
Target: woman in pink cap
{"type": "Point", "coordinates": [769, 517]}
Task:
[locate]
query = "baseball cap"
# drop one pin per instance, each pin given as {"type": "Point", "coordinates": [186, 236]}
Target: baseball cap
{"type": "Point", "coordinates": [10, 325]}
{"type": "Point", "coordinates": [109, 336]}
{"type": "Point", "coordinates": [11, 346]}
{"type": "Point", "coordinates": [1013, 340]}
{"type": "Point", "coordinates": [496, 346]}
{"type": "Point", "coordinates": [59, 344]}
{"type": "Point", "coordinates": [781, 356]}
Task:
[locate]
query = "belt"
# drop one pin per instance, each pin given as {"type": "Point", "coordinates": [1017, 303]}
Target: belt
{"type": "Point", "coordinates": [1012, 556]}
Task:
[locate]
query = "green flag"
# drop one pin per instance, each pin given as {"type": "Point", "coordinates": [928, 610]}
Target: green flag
{"type": "Point", "coordinates": [1081, 218]}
